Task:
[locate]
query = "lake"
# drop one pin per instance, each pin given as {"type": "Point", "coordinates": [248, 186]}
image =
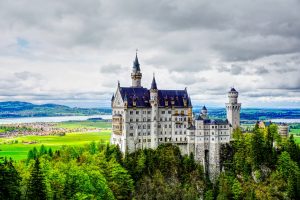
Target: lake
{"type": "Point", "coordinates": [78, 118]}
{"type": "Point", "coordinates": [50, 119]}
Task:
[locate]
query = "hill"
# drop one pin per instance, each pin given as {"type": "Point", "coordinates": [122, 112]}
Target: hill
{"type": "Point", "coordinates": [12, 109]}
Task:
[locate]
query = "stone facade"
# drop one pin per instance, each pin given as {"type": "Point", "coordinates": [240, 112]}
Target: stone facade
{"type": "Point", "coordinates": [145, 118]}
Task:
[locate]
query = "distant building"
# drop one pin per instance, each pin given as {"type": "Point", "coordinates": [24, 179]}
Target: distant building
{"type": "Point", "coordinates": [283, 128]}
{"type": "Point", "coordinates": [146, 118]}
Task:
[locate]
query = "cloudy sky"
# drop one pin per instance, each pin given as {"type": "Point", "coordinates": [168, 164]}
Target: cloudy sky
{"type": "Point", "coordinates": [73, 52]}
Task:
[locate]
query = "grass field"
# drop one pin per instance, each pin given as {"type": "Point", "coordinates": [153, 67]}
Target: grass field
{"type": "Point", "coordinates": [19, 150]}
{"type": "Point", "coordinates": [84, 124]}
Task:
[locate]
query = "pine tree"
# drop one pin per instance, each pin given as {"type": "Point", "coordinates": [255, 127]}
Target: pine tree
{"type": "Point", "coordinates": [50, 152]}
{"type": "Point", "coordinates": [9, 181]}
{"type": "Point", "coordinates": [36, 188]}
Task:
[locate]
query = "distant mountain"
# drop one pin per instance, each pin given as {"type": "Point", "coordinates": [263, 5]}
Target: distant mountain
{"type": "Point", "coordinates": [12, 109]}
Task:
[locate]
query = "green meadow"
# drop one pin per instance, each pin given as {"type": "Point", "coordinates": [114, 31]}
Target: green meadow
{"type": "Point", "coordinates": [18, 147]}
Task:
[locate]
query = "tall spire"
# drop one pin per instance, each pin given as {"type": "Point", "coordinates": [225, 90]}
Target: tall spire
{"type": "Point", "coordinates": [136, 64]}
{"type": "Point", "coordinates": [136, 75]}
{"type": "Point", "coordinates": [153, 84]}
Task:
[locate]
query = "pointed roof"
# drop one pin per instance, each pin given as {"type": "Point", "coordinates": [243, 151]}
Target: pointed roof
{"type": "Point", "coordinates": [113, 97]}
{"type": "Point", "coordinates": [136, 64]}
{"type": "Point", "coordinates": [204, 108]}
{"type": "Point", "coordinates": [153, 84]}
{"type": "Point", "coordinates": [125, 97]}
{"type": "Point", "coordinates": [189, 102]}
{"type": "Point", "coordinates": [233, 90]}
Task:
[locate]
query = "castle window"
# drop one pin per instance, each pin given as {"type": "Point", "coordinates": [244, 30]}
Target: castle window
{"type": "Point", "coordinates": [130, 134]}
{"type": "Point", "coordinates": [148, 126]}
{"type": "Point", "coordinates": [170, 126]}
{"type": "Point", "coordinates": [166, 119]}
{"type": "Point", "coordinates": [170, 119]}
{"type": "Point", "coordinates": [149, 112]}
{"type": "Point", "coordinates": [160, 119]}
{"type": "Point", "coordinates": [162, 112]}
{"type": "Point", "coordinates": [212, 133]}
{"type": "Point", "coordinates": [166, 126]}
{"type": "Point", "coordinates": [212, 139]}
{"type": "Point", "coordinates": [131, 120]}
{"type": "Point", "coordinates": [137, 112]}
{"type": "Point", "coordinates": [144, 126]}
{"type": "Point", "coordinates": [139, 134]}
{"type": "Point", "coordinates": [139, 140]}
{"type": "Point", "coordinates": [131, 127]}
{"type": "Point", "coordinates": [148, 119]}
{"type": "Point", "coordinates": [169, 111]}
{"type": "Point", "coordinates": [176, 139]}
{"type": "Point", "coordinates": [148, 133]}
{"type": "Point", "coordinates": [144, 140]}
{"type": "Point", "coordinates": [175, 132]}
{"type": "Point", "coordinates": [137, 120]}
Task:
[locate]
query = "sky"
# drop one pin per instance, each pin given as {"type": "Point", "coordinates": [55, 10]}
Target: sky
{"type": "Point", "coordinates": [73, 52]}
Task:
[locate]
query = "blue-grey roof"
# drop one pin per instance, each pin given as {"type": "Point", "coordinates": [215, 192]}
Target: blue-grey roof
{"type": "Point", "coordinates": [113, 97]}
{"type": "Point", "coordinates": [232, 90]}
{"type": "Point", "coordinates": [204, 108]}
{"type": "Point", "coordinates": [142, 97]}
{"type": "Point", "coordinates": [136, 65]}
{"type": "Point", "coordinates": [153, 84]}
{"type": "Point", "coordinates": [213, 121]}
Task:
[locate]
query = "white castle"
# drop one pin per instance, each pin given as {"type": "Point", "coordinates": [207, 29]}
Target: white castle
{"type": "Point", "coordinates": [146, 118]}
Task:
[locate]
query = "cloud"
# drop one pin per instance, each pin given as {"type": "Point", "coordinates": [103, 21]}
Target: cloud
{"type": "Point", "coordinates": [236, 70]}
{"type": "Point", "coordinates": [111, 69]}
{"type": "Point", "coordinates": [57, 48]}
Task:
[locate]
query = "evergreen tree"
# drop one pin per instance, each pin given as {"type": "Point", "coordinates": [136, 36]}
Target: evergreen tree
{"type": "Point", "coordinates": [36, 188]}
{"type": "Point", "coordinates": [43, 150]}
{"type": "Point", "coordinates": [257, 148]}
{"type": "Point", "coordinates": [50, 152]}
{"type": "Point", "coordinates": [9, 180]}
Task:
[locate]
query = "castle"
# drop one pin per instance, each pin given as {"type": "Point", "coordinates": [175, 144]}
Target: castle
{"type": "Point", "coordinates": [146, 118]}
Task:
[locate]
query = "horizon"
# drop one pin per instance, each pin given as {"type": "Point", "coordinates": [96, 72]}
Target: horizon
{"type": "Point", "coordinates": [194, 107]}
{"type": "Point", "coordinates": [76, 58]}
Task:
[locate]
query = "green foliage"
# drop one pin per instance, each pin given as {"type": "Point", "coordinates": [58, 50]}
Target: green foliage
{"type": "Point", "coordinates": [165, 174]}
{"type": "Point", "coordinates": [9, 180]}
{"type": "Point", "coordinates": [259, 165]}
{"type": "Point", "coordinates": [36, 185]}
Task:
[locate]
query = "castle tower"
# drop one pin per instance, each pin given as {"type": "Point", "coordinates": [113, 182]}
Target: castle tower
{"type": "Point", "coordinates": [136, 75]}
{"type": "Point", "coordinates": [203, 113]}
{"type": "Point", "coordinates": [154, 113]}
{"type": "Point", "coordinates": [233, 109]}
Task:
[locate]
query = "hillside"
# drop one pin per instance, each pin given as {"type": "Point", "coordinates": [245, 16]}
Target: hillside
{"type": "Point", "coordinates": [12, 109]}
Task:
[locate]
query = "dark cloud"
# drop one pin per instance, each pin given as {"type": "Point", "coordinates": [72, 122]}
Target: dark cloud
{"type": "Point", "coordinates": [261, 70]}
{"type": "Point", "coordinates": [236, 70]}
{"type": "Point", "coordinates": [58, 46]}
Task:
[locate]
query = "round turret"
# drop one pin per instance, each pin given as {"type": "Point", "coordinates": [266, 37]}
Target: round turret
{"type": "Point", "coordinates": [233, 96]}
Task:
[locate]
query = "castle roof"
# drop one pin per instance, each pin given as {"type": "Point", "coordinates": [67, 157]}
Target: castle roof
{"type": "Point", "coordinates": [153, 84]}
{"type": "Point", "coordinates": [233, 90]}
{"type": "Point", "coordinates": [213, 121]}
{"type": "Point", "coordinates": [136, 65]}
{"type": "Point", "coordinates": [142, 97]}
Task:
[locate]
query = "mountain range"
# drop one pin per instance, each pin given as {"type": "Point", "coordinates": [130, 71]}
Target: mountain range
{"type": "Point", "coordinates": [13, 109]}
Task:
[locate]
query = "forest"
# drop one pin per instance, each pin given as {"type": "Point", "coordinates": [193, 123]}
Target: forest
{"type": "Point", "coordinates": [256, 165]}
